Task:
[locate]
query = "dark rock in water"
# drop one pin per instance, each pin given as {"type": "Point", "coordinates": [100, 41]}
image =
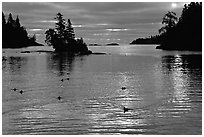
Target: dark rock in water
{"type": "Point", "coordinates": [25, 51]}
{"type": "Point", "coordinates": [46, 51]}
{"type": "Point", "coordinates": [158, 47]}
{"type": "Point", "coordinates": [98, 53]}
{"type": "Point", "coordinates": [95, 44]}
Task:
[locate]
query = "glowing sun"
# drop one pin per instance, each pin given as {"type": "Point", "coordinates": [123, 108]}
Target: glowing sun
{"type": "Point", "coordinates": [173, 5]}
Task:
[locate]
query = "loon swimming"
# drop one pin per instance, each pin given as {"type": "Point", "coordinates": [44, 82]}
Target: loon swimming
{"type": "Point", "coordinates": [14, 89]}
{"type": "Point", "coordinates": [59, 97]}
{"type": "Point", "coordinates": [21, 91]}
{"type": "Point", "coordinates": [123, 88]}
{"type": "Point", "coordinates": [126, 109]}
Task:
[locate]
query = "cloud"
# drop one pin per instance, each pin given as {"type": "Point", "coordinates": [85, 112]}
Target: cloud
{"type": "Point", "coordinates": [101, 34]}
{"type": "Point", "coordinates": [77, 26]}
{"type": "Point", "coordinates": [47, 21]}
{"type": "Point", "coordinates": [35, 29]}
{"type": "Point", "coordinates": [116, 30]}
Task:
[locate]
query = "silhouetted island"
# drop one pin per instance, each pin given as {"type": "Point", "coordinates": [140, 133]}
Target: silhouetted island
{"type": "Point", "coordinates": [94, 44]}
{"type": "Point", "coordinates": [62, 38]}
{"type": "Point", "coordinates": [112, 44]}
{"type": "Point", "coordinates": [150, 40]}
{"type": "Point", "coordinates": [14, 35]}
{"type": "Point", "coordinates": [184, 33]}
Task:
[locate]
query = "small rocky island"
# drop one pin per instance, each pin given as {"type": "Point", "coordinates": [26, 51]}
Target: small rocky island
{"type": "Point", "coordinates": [94, 44]}
{"type": "Point", "coordinates": [112, 44]}
{"type": "Point", "coordinates": [14, 35]}
{"type": "Point", "coordinates": [62, 38]}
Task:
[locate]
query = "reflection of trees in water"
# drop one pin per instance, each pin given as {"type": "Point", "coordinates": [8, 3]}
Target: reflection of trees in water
{"type": "Point", "coordinates": [185, 71]}
{"type": "Point", "coordinates": [14, 64]}
{"type": "Point", "coordinates": [63, 63]}
{"type": "Point", "coordinates": [186, 63]}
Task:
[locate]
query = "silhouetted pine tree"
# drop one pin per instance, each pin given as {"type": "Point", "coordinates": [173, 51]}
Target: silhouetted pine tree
{"type": "Point", "coordinates": [18, 25]}
{"type": "Point", "coordinates": [169, 21]}
{"type": "Point", "coordinates": [10, 20]}
{"type": "Point", "coordinates": [3, 19]}
{"type": "Point", "coordinates": [60, 26]}
{"type": "Point", "coordinates": [69, 30]}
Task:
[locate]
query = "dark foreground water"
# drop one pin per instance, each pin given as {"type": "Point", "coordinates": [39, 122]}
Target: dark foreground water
{"type": "Point", "coordinates": [164, 89]}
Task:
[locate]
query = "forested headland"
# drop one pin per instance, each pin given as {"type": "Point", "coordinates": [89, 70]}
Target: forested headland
{"type": "Point", "coordinates": [14, 35]}
{"type": "Point", "coordinates": [184, 33]}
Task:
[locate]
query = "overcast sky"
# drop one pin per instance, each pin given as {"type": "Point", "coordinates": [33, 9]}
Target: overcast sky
{"type": "Point", "coordinates": [96, 22]}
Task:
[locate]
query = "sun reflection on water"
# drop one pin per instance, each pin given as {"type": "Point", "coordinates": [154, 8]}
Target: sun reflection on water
{"type": "Point", "coordinates": [180, 80]}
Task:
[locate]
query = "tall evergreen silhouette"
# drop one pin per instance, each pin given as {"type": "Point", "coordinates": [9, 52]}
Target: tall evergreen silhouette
{"type": "Point", "coordinates": [14, 35]}
{"type": "Point", "coordinates": [10, 20]}
{"type": "Point", "coordinates": [3, 19]}
{"type": "Point", "coordinates": [169, 21]}
{"type": "Point", "coordinates": [62, 38]}
{"type": "Point", "coordinates": [18, 25]}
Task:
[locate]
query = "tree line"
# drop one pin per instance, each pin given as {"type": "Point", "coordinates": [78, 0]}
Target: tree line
{"type": "Point", "coordinates": [149, 40]}
{"type": "Point", "coordinates": [14, 35]}
{"type": "Point", "coordinates": [184, 33]}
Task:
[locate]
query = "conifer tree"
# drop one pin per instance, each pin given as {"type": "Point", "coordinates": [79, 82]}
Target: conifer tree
{"type": "Point", "coordinates": [60, 25]}
{"type": "Point", "coordinates": [3, 19]}
{"type": "Point", "coordinates": [169, 20]}
{"type": "Point", "coordinates": [17, 22]}
{"type": "Point", "coordinates": [10, 20]}
{"type": "Point", "coordinates": [69, 30]}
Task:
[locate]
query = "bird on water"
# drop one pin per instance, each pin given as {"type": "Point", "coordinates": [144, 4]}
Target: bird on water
{"type": "Point", "coordinates": [21, 91]}
{"type": "Point", "coordinates": [59, 97]}
{"type": "Point", "coordinates": [14, 89]}
{"type": "Point", "coordinates": [126, 109]}
{"type": "Point", "coordinates": [123, 88]}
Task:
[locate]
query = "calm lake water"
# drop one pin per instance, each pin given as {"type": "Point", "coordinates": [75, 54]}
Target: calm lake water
{"type": "Point", "coordinates": [164, 89]}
